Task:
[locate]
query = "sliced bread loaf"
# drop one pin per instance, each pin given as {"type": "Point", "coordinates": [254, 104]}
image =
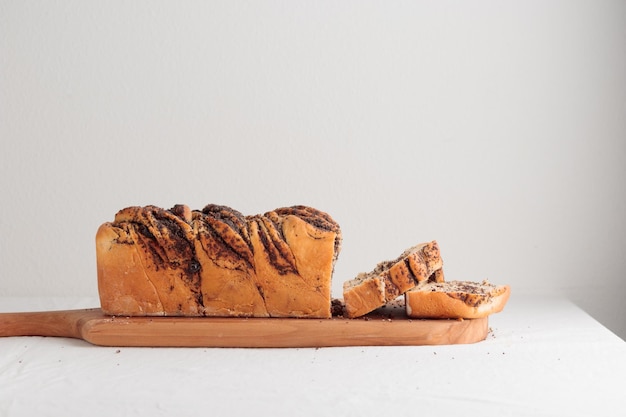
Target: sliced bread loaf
{"type": "Point", "coordinates": [389, 279]}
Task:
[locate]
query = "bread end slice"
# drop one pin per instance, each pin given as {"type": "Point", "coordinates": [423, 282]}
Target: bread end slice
{"type": "Point", "coordinates": [456, 299]}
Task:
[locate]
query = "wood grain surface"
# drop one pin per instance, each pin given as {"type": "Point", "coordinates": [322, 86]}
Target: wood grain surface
{"type": "Point", "coordinates": [384, 327]}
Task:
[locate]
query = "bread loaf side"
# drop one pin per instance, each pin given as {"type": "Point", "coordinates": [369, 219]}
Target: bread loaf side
{"type": "Point", "coordinates": [217, 262]}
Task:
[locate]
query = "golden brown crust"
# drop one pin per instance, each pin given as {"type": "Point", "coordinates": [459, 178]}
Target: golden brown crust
{"type": "Point", "coordinates": [361, 294]}
{"type": "Point", "coordinates": [415, 266]}
{"type": "Point", "coordinates": [147, 251]}
{"type": "Point", "coordinates": [217, 262]}
{"type": "Point", "coordinates": [227, 275]}
{"type": "Point", "coordinates": [456, 299]}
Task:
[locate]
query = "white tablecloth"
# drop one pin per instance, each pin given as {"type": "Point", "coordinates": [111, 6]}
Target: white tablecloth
{"type": "Point", "coordinates": [542, 357]}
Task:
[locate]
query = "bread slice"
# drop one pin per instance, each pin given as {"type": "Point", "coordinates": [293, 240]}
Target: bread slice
{"type": "Point", "coordinates": [456, 299]}
{"type": "Point", "coordinates": [217, 262]}
{"type": "Point", "coordinates": [390, 279]}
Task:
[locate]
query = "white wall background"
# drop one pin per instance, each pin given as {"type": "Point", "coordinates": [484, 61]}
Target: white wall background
{"type": "Point", "coordinates": [496, 127]}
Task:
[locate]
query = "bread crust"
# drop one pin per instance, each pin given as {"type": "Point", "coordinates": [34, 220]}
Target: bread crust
{"type": "Point", "coordinates": [390, 279]}
{"type": "Point", "coordinates": [456, 299]}
{"type": "Point", "coordinates": [140, 261]}
{"type": "Point", "coordinates": [217, 262]}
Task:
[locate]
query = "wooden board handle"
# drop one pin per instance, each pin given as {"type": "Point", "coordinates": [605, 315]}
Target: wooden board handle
{"type": "Point", "coordinates": [64, 323]}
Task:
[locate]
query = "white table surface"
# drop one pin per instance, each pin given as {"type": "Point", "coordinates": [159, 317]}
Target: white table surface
{"type": "Point", "coordinates": [542, 357]}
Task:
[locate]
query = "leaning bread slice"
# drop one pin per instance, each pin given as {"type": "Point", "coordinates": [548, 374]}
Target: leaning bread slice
{"type": "Point", "coordinates": [456, 299]}
{"type": "Point", "coordinates": [390, 279]}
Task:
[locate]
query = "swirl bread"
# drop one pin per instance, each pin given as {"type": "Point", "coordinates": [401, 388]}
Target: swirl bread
{"type": "Point", "coordinates": [389, 279]}
{"type": "Point", "coordinates": [456, 299]}
{"type": "Point", "coordinates": [217, 262]}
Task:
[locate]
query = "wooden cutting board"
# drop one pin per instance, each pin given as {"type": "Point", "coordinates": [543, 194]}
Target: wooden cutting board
{"type": "Point", "coordinates": [384, 327]}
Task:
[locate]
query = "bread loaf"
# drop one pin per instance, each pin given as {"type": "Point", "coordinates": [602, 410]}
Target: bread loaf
{"type": "Point", "coordinates": [456, 299]}
{"type": "Point", "coordinates": [217, 262]}
{"type": "Point", "coordinates": [389, 279]}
